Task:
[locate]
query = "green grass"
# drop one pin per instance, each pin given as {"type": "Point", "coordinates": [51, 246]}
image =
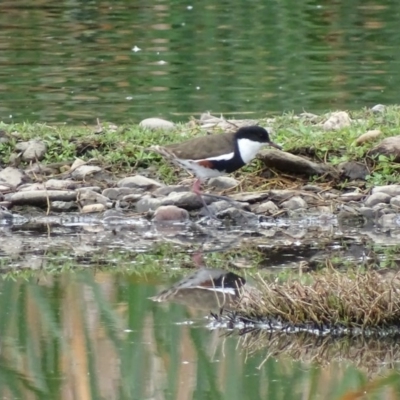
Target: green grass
{"type": "Point", "coordinates": [123, 150]}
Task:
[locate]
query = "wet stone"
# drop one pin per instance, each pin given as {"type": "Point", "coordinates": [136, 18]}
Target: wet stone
{"type": "Point", "coordinates": [294, 203]}
{"type": "Point", "coordinates": [391, 190]}
{"type": "Point", "coordinates": [12, 176]}
{"type": "Point", "coordinates": [388, 221]}
{"type": "Point", "coordinates": [157, 123]}
{"type": "Point", "coordinates": [93, 208]}
{"type": "Point", "coordinates": [269, 207]}
{"type": "Point", "coordinates": [250, 197]}
{"type": "Point", "coordinates": [238, 216]}
{"type": "Point", "coordinates": [5, 215]}
{"type": "Point", "coordinates": [63, 205]}
{"type": "Point", "coordinates": [40, 197]}
{"type": "Point", "coordinates": [186, 200]}
{"type": "Point", "coordinates": [132, 198]}
{"type": "Point", "coordinates": [86, 197]}
{"type": "Point", "coordinates": [221, 205]}
{"type": "Point", "coordinates": [165, 191]}
{"type": "Point", "coordinates": [170, 213]}
{"type": "Point", "coordinates": [117, 193]}
{"type": "Point", "coordinates": [367, 212]}
{"type": "Point", "coordinates": [139, 181]}
{"type": "Point", "coordinates": [147, 203]}
{"type": "Point", "coordinates": [351, 196]}
{"type": "Point", "coordinates": [35, 150]}
{"type": "Point", "coordinates": [376, 198]}
{"type": "Point", "coordinates": [223, 182]}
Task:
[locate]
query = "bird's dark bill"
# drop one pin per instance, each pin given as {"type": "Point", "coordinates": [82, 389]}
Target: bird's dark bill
{"type": "Point", "coordinates": [275, 145]}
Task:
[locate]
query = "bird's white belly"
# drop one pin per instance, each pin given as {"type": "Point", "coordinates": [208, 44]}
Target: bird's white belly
{"type": "Point", "coordinates": [198, 170]}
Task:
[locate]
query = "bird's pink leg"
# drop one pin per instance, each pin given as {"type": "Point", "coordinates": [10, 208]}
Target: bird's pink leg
{"type": "Point", "coordinates": [196, 188]}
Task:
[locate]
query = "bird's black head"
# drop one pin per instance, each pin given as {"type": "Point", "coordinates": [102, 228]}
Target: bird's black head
{"type": "Point", "coordinates": [256, 134]}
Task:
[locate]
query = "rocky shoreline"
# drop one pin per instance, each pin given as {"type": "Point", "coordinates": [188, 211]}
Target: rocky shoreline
{"type": "Point", "coordinates": [86, 187]}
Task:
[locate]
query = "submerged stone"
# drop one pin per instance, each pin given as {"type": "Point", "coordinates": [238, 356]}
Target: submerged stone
{"type": "Point", "coordinates": [170, 213]}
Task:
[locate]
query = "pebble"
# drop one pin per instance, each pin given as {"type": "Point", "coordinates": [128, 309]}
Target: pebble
{"type": "Point", "coordinates": [186, 200]}
{"type": "Point", "coordinates": [221, 205]}
{"type": "Point", "coordinates": [367, 212]}
{"type": "Point", "coordinates": [223, 182]}
{"type": "Point", "coordinates": [379, 108]}
{"type": "Point", "coordinates": [35, 151]}
{"type": "Point", "coordinates": [40, 197]}
{"type": "Point", "coordinates": [239, 217]}
{"type": "Point", "coordinates": [166, 190]}
{"type": "Point", "coordinates": [368, 136]}
{"type": "Point", "coordinates": [395, 201]}
{"type": "Point", "coordinates": [12, 176]}
{"type": "Point", "coordinates": [157, 123]}
{"type": "Point", "coordinates": [337, 120]}
{"type": "Point", "coordinates": [391, 190]}
{"type": "Point", "coordinates": [86, 196]}
{"type": "Point", "coordinates": [269, 207]}
{"type": "Point", "coordinates": [81, 172]}
{"type": "Point", "coordinates": [139, 181]}
{"type": "Point", "coordinates": [60, 184]}
{"type": "Point", "coordinates": [375, 198]}
{"type": "Point", "coordinates": [388, 221]}
{"type": "Point", "coordinates": [250, 197]}
{"type": "Point", "coordinates": [117, 193]}
{"type": "Point", "coordinates": [147, 203]}
{"type": "Point", "coordinates": [295, 203]}
{"type": "Point", "coordinates": [170, 213]}
{"type": "Point", "coordinates": [351, 196]}
{"type": "Point", "coordinates": [63, 205]}
{"type": "Point", "coordinates": [93, 208]}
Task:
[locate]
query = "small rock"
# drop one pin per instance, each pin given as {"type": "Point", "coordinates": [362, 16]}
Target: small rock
{"type": "Point", "coordinates": [389, 147]}
{"type": "Point", "coordinates": [31, 186]}
{"type": "Point", "coordinates": [81, 172]}
{"type": "Point", "coordinates": [147, 203]}
{"type": "Point", "coordinates": [223, 182]}
{"type": "Point", "coordinates": [132, 198]}
{"type": "Point", "coordinates": [376, 198]}
{"type": "Point", "coordinates": [21, 146]}
{"type": "Point", "coordinates": [5, 215]}
{"type": "Point", "coordinates": [379, 108]}
{"type": "Point", "coordinates": [312, 188]}
{"type": "Point", "coordinates": [35, 151]}
{"type": "Point", "coordinates": [117, 193]}
{"type": "Point", "coordinates": [221, 205]}
{"type": "Point", "coordinates": [157, 123]}
{"type": "Point", "coordinates": [63, 205]}
{"type": "Point", "coordinates": [351, 196]}
{"type": "Point", "coordinates": [85, 197]}
{"type": "Point", "coordinates": [395, 201]}
{"type": "Point", "coordinates": [12, 176]}
{"type": "Point", "coordinates": [60, 184]}
{"type": "Point", "coordinates": [4, 137]}
{"type": "Point", "coordinates": [388, 221]}
{"type": "Point", "coordinates": [391, 190]}
{"type": "Point", "coordinates": [166, 190]}
{"type": "Point", "coordinates": [367, 212]}
{"type": "Point", "coordinates": [186, 200]}
{"type": "Point", "coordinates": [170, 213]}
{"type": "Point", "coordinates": [93, 208]}
{"type": "Point", "coordinates": [294, 203]}
{"type": "Point", "coordinates": [269, 207]}
{"type": "Point", "coordinates": [238, 217]}
{"type": "Point", "coordinates": [139, 181]}
{"type": "Point", "coordinates": [250, 197]}
{"type": "Point", "coordinates": [337, 120]}
{"type": "Point", "coordinates": [368, 136]}
{"type": "Point", "coordinates": [40, 197]}
{"type": "Point", "coordinates": [353, 170]}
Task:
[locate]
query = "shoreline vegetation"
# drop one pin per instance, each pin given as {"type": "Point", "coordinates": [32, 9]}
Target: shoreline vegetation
{"type": "Point", "coordinates": [342, 164]}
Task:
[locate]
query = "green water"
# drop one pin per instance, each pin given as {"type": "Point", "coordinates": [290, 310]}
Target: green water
{"type": "Point", "coordinates": [121, 61]}
{"type": "Point", "coordinates": [77, 321]}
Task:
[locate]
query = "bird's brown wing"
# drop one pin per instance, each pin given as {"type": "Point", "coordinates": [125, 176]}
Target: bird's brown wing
{"type": "Point", "coordinates": [204, 147]}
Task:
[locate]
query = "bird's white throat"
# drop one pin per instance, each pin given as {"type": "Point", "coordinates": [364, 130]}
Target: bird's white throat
{"type": "Point", "coordinates": [248, 149]}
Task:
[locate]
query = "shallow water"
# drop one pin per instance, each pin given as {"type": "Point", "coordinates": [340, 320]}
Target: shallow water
{"type": "Point", "coordinates": [77, 322]}
{"type": "Point", "coordinates": [119, 61]}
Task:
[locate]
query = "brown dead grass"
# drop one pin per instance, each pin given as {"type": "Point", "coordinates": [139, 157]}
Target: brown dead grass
{"type": "Point", "coordinates": [362, 300]}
